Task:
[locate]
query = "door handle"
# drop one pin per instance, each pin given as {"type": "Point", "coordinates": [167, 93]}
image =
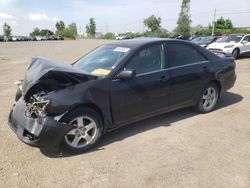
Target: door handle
{"type": "Point", "coordinates": [163, 79]}
{"type": "Point", "coordinates": [205, 69]}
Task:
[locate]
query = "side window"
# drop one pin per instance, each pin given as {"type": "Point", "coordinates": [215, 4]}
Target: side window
{"type": "Point", "coordinates": [247, 38]}
{"type": "Point", "coordinates": [183, 54]}
{"type": "Point", "coordinates": [149, 59]}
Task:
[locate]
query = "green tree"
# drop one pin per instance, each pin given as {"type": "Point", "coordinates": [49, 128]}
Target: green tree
{"type": "Point", "coordinates": [73, 28]}
{"type": "Point", "coordinates": [153, 23]}
{"type": "Point", "coordinates": [184, 21]}
{"type": "Point", "coordinates": [6, 30]}
{"type": "Point", "coordinates": [108, 36]}
{"type": "Point", "coordinates": [46, 32]}
{"type": "Point", "coordinates": [222, 23]}
{"type": "Point", "coordinates": [70, 32]}
{"type": "Point", "coordinates": [60, 26]}
{"type": "Point", "coordinates": [35, 32]}
{"type": "Point", "coordinates": [91, 27]}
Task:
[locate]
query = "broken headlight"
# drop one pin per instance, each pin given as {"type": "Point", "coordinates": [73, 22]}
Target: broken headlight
{"type": "Point", "coordinates": [36, 106]}
{"type": "Point", "coordinates": [19, 85]}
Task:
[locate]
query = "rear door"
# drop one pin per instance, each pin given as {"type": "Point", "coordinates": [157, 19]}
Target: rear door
{"type": "Point", "coordinates": [147, 92]}
{"type": "Point", "coordinates": [188, 70]}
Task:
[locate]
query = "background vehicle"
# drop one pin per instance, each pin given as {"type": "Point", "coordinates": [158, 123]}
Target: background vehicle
{"type": "Point", "coordinates": [115, 85]}
{"type": "Point", "coordinates": [204, 41]}
{"type": "Point", "coordinates": [123, 37]}
{"type": "Point", "coordinates": [234, 44]}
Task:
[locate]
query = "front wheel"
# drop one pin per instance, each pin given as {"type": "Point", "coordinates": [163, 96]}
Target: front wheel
{"type": "Point", "coordinates": [86, 130]}
{"type": "Point", "coordinates": [208, 99]}
{"type": "Point", "coordinates": [236, 53]}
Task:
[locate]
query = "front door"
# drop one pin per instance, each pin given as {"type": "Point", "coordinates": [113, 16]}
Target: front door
{"type": "Point", "coordinates": [147, 92]}
{"type": "Point", "coordinates": [246, 46]}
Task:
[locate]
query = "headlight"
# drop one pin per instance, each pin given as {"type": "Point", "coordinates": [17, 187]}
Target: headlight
{"type": "Point", "coordinates": [229, 46]}
{"type": "Point", "coordinates": [18, 84]}
{"type": "Point", "coordinates": [36, 106]}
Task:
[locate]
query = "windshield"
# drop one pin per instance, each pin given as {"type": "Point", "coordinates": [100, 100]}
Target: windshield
{"type": "Point", "coordinates": [231, 38]}
{"type": "Point", "coordinates": [102, 60]}
{"type": "Point", "coordinates": [202, 40]}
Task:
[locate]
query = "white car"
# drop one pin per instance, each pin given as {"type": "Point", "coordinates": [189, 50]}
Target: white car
{"type": "Point", "coordinates": [233, 44]}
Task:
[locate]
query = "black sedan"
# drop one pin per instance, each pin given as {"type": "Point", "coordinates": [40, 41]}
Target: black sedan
{"type": "Point", "coordinates": [114, 85]}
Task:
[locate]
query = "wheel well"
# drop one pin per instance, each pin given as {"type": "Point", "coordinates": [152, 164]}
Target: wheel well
{"type": "Point", "coordinates": [91, 106]}
{"type": "Point", "coordinates": [218, 84]}
{"type": "Point", "coordinates": [237, 49]}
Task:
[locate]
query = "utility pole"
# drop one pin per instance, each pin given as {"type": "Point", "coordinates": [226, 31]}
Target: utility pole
{"type": "Point", "coordinates": [143, 25]}
{"type": "Point", "coordinates": [214, 22]}
{"type": "Point", "coordinates": [106, 27]}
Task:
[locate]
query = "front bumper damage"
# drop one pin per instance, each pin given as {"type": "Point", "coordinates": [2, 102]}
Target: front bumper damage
{"type": "Point", "coordinates": [43, 132]}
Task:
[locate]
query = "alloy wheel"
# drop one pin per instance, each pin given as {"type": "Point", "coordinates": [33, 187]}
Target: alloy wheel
{"type": "Point", "coordinates": [209, 98]}
{"type": "Point", "coordinates": [83, 133]}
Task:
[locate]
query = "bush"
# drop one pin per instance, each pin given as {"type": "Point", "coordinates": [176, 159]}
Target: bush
{"type": "Point", "coordinates": [108, 36]}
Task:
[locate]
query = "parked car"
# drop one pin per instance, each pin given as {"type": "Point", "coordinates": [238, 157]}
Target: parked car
{"type": "Point", "coordinates": [60, 38]}
{"type": "Point", "coordinates": [32, 38]}
{"type": "Point", "coordinates": [180, 37]}
{"type": "Point", "coordinates": [52, 37]}
{"type": "Point", "coordinates": [1, 38]}
{"type": "Point", "coordinates": [16, 38]}
{"type": "Point", "coordinates": [114, 85]}
{"type": "Point", "coordinates": [204, 41]}
{"type": "Point", "coordinates": [234, 44]}
{"type": "Point", "coordinates": [123, 37]}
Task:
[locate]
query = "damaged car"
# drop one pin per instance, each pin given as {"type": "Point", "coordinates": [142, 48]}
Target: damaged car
{"type": "Point", "coordinates": [72, 106]}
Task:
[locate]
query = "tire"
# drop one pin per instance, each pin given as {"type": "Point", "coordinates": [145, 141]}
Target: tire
{"type": "Point", "coordinates": [86, 131]}
{"type": "Point", "coordinates": [236, 53]}
{"type": "Point", "coordinates": [208, 98]}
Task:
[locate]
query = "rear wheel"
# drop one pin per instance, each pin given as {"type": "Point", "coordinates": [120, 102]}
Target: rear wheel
{"type": "Point", "coordinates": [236, 53]}
{"type": "Point", "coordinates": [86, 130]}
{"type": "Point", "coordinates": [208, 99]}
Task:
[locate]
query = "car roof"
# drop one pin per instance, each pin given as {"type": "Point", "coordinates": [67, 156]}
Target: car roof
{"type": "Point", "coordinates": [135, 43]}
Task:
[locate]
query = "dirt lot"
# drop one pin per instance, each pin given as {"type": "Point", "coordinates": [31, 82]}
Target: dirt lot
{"type": "Point", "coordinates": [179, 149]}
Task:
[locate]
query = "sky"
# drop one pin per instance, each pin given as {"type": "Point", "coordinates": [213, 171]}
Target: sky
{"type": "Point", "coordinates": [115, 16]}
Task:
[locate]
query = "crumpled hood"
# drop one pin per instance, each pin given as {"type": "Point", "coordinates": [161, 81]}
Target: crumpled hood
{"type": "Point", "coordinates": [44, 74]}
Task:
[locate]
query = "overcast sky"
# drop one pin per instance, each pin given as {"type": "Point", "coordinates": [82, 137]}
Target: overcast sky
{"type": "Point", "coordinates": [119, 16]}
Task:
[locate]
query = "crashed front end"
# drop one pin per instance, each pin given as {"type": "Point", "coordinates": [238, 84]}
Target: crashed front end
{"type": "Point", "coordinates": [36, 130]}
{"type": "Point", "coordinates": [32, 117]}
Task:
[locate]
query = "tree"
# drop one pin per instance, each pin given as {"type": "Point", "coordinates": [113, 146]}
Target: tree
{"type": "Point", "coordinates": [70, 31]}
{"type": "Point", "coordinates": [91, 27]}
{"type": "Point", "coordinates": [6, 30]}
{"type": "Point", "coordinates": [60, 26]}
{"type": "Point", "coordinates": [108, 36]}
{"type": "Point", "coordinates": [221, 23]}
{"type": "Point", "coordinates": [184, 21]}
{"type": "Point", "coordinates": [153, 23]}
{"type": "Point", "coordinates": [46, 32]}
{"type": "Point", "coordinates": [73, 28]}
{"type": "Point", "coordinates": [35, 32]}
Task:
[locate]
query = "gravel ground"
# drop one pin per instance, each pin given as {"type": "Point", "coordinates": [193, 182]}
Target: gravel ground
{"type": "Point", "coordinates": [178, 149]}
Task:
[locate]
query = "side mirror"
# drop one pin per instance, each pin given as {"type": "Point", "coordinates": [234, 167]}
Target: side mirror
{"type": "Point", "coordinates": [126, 74]}
{"type": "Point", "coordinates": [244, 42]}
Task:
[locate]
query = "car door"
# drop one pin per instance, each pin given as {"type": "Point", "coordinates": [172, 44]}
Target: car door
{"type": "Point", "coordinates": [247, 45]}
{"type": "Point", "coordinates": [145, 93]}
{"type": "Point", "coordinates": [189, 72]}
